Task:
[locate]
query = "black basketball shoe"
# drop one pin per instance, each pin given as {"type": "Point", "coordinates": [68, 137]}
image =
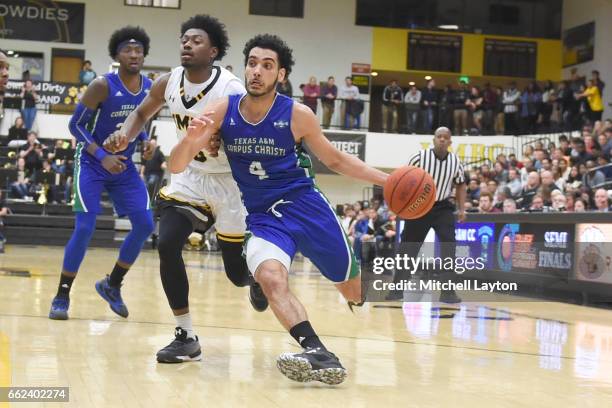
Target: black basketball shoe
{"type": "Point", "coordinates": [257, 297]}
{"type": "Point", "coordinates": [181, 349]}
{"type": "Point", "coordinates": [313, 364]}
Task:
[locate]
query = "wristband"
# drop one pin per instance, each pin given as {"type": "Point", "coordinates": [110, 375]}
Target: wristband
{"type": "Point", "coordinates": [100, 154]}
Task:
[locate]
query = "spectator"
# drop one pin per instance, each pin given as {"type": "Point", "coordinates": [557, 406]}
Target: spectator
{"type": "Point", "coordinates": [498, 112]}
{"type": "Point", "coordinates": [564, 145]}
{"type": "Point", "coordinates": [312, 91]}
{"type": "Point", "coordinates": [429, 99]}
{"type": "Point", "coordinates": [593, 96]}
{"type": "Point", "coordinates": [32, 153]}
{"type": "Point", "coordinates": [474, 104]}
{"type": "Point", "coordinates": [514, 182]}
{"type": "Point", "coordinates": [546, 164]}
{"type": "Point", "coordinates": [509, 206]}
{"type": "Point", "coordinates": [511, 100]}
{"type": "Point", "coordinates": [580, 205]}
{"type": "Point", "coordinates": [445, 114]}
{"type": "Point", "coordinates": [46, 182]}
{"type": "Point", "coordinates": [530, 189]}
{"type": "Point", "coordinates": [368, 230]}
{"type": "Point", "coordinates": [460, 113]}
{"type": "Point", "coordinates": [537, 204]}
{"type": "Point", "coordinates": [29, 97]}
{"type": "Point", "coordinates": [602, 202]}
{"type": "Point", "coordinates": [284, 87]}
{"type": "Point", "coordinates": [549, 94]}
{"type": "Point", "coordinates": [21, 187]}
{"type": "Point", "coordinates": [485, 204]}
{"type": "Point", "coordinates": [558, 201]}
{"type": "Point", "coordinates": [392, 98]}
{"type": "Point", "coordinates": [531, 99]}
{"type": "Point", "coordinates": [501, 174]}
{"type": "Point", "coordinates": [18, 130]}
{"type": "Point", "coordinates": [153, 169]}
{"type": "Point", "coordinates": [598, 82]}
{"type": "Point", "coordinates": [4, 211]}
{"type": "Point", "coordinates": [229, 68]}
{"type": "Point", "coordinates": [348, 218]}
{"type": "Point", "coordinates": [412, 102]}
{"type": "Point", "coordinates": [604, 166]}
{"type": "Point", "coordinates": [570, 200]}
{"type": "Point", "coordinates": [592, 178]}
{"type": "Point", "coordinates": [579, 155]}
{"type": "Point", "coordinates": [329, 94]}
{"type": "Point", "coordinates": [349, 93]}
{"type": "Point", "coordinates": [567, 105]}
{"type": "Point", "coordinates": [605, 141]}
{"type": "Point", "coordinates": [473, 190]}
{"type": "Point", "coordinates": [87, 74]}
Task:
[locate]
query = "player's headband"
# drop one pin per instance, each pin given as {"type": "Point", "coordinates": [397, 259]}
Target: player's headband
{"type": "Point", "coordinates": [131, 41]}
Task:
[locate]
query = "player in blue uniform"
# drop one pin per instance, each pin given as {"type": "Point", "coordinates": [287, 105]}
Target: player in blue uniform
{"type": "Point", "coordinates": [106, 103]}
{"type": "Point", "coordinates": [262, 133]}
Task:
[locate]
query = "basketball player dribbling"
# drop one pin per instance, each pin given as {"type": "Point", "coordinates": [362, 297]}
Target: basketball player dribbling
{"type": "Point", "coordinates": [205, 192]}
{"type": "Point", "coordinates": [263, 133]}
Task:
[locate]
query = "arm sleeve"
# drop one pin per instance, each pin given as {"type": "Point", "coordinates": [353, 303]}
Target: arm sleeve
{"type": "Point", "coordinates": [78, 124]}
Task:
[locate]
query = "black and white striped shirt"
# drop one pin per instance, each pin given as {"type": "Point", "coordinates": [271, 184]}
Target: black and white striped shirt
{"type": "Point", "coordinates": [445, 172]}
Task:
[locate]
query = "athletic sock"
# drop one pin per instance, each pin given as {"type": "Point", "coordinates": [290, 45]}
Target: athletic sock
{"type": "Point", "coordinates": [184, 322]}
{"type": "Point", "coordinates": [116, 276]}
{"type": "Point", "coordinates": [65, 284]}
{"type": "Point", "coordinates": [305, 335]}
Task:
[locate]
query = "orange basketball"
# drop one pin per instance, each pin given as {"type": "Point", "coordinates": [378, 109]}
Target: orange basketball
{"type": "Point", "coordinates": [410, 192]}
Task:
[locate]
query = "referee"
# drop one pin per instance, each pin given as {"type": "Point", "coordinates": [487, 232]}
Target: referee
{"type": "Point", "coordinates": [446, 170]}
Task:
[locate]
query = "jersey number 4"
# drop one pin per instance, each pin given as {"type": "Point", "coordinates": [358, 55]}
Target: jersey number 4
{"type": "Point", "coordinates": [257, 170]}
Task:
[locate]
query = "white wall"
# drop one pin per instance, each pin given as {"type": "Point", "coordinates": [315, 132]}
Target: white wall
{"type": "Point", "coordinates": [325, 42]}
{"type": "Point", "coordinates": [578, 12]}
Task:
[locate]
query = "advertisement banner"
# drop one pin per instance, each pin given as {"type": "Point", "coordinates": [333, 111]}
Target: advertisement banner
{"type": "Point", "coordinates": [535, 248]}
{"type": "Point", "coordinates": [348, 142]}
{"type": "Point", "coordinates": [42, 20]}
{"type": "Point", "coordinates": [475, 240]}
{"type": "Point", "coordinates": [594, 253]}
{"type": "Point", "coordinates": [51, 93]}
{"type": "Point", "coordinates": [387, 150]}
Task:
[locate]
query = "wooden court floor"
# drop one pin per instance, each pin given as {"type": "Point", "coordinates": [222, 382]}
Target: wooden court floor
{"type": "Point", "coordinates": [514, 354]}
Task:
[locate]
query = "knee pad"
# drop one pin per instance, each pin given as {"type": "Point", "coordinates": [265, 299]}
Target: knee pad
{"type": "Point", "coordinates": [235, 265]}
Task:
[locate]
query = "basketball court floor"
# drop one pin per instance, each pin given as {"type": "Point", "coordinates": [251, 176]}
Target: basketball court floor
{"type": "Point", "coordinates": [514, 354]}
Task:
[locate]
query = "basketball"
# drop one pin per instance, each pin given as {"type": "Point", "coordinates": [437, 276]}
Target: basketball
{"type": "Point", "coordinates": [410, 192]}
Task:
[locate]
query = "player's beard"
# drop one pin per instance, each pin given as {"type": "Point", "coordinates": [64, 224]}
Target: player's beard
{"type": "Point", "coordinates": [266, 91]}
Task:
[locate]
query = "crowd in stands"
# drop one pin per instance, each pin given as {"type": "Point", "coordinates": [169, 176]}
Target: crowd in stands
{"type": "Point", "coordinates": [538, 108]}
{"type": "Point", "coordinates": [35, 168]}
{"type": "Point", "coordinates": [351, 107]}
{"type": "Point", "coordinates": [573, 176]}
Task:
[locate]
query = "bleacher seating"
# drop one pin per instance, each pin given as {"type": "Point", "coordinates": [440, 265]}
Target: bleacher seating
{"type": "Point", "coordinates": [35, 224]}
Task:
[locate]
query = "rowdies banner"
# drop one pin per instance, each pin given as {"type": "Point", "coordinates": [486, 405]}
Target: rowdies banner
{"type": "Point", "coordinates": [42, 20]}
{"type": "Point", "coordinates": [52, 93]}
{"type": "Point", "coordinates": [351, 143]}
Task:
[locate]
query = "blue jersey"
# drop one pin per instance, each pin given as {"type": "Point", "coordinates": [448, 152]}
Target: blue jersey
{"type": "Point", "coordinates": [113, 111]}
{"type": "Point", "coordinates": [265, 160]}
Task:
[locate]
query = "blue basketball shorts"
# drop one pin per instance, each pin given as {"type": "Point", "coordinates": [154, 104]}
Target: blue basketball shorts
{"type": "Point", "coordinates": [308, 224]}
{"type": "Point", "coordinates": [126, 190]}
